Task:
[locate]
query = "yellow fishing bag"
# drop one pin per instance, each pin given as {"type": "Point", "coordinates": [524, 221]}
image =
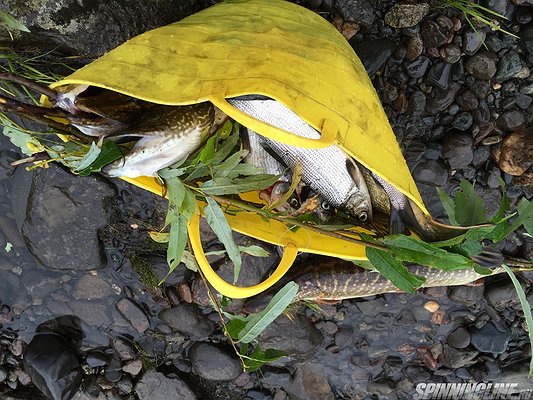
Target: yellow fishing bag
{"type": "Point", "coordinates": [276, 49]}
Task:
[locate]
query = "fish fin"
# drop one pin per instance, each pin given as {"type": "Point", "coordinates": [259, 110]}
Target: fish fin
{"type": "Point", "coordinates": [396, 224]}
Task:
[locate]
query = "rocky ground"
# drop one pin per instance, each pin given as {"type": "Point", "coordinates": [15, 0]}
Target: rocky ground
{"type": "Point", "coordinates": [81, 272]}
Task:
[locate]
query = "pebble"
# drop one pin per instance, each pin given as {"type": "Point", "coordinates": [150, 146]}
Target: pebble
{"type": "Point", "coordinates": [489, 338]}
{"type": "Point", "coordinates": [463, 121]}
{"type": "Point", "coordinates": [133, 367]}
{"type": "Point", "coordinates": [439, 99]}
{"type": "Point", "coordinates": [458, 149]}
{"type": "Point", "coordinates": [310, 383]}
{"type": "Point", "coordinates": [187, 319]}
{"type": "Point", "coordinates": [508, 66]}
{"type": "Point", "coordinates": [374, 53]}
{"type": "Point", "coordinates": [515, 155]}
{"type": "Point", "coordinates": [450, 53]}
{"type": "Point", "coordinates": [431, 172]}
{"type": "Point", "coordinates": [418, 67]}
{"type": "Point", "coordinates": [124, 348]}
{"type": "Point", "coordinates": [481, 65]}
{"type": "Point", "coordinates": [472, 41]}
{"type": "Point", "coordinates": [459, 338]}
{"type": "Point", "coordinates": [467, 101]}
{"type": "Point", "coordinates": [154, 385]}
{"type": "Point", "coordinates": [439, 75]}
{"type": "Point", "coordinates": [133, 313]}
{"type": "Point", "coordinates": [453, 358]}
{"type": "Point", "coordinates": [360, 11]}
{"type": "Point", "coordinates": [406, 15]}
{"type": "Point", "coordinates": [431, 306]}
{"type": "Point", "coordinates": [214, 363]}
{"type": "Point", "coordinates": [511, 120]}
{"type": "Point", "coordinates": [92, 286]}
{"type": "Point", "coordinates": [414, 47]}
{"type": "Point", "coordinates": [433, 35]}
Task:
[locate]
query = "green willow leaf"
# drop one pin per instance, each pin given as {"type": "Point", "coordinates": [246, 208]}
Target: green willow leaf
{"type": "Point", "coordinates": [223, 186]}
{"type": "Point", "coordinates": [393, 270]}
{"type": "Point", "coordinates": [258, 358]}
{"type": "Point", "coordinates": [91, 155]}
{"type": "Point", "coordinates": [224, 169]}
{"type": "Point", "coordinates": [447, 203]}
{"type": "Point", "coordinates": [11, 23]}
{"type": "Point", "coordinates": [469, 206]}
{"type": "Point", "coordinates": [407, 248]}
{"type": "Point", "coordinates": [109, 152]}
{"type": "Point", "coordinates": [254, 250]}
{"type": "Point", "coordinates": [275, 307]}
{"type": "Point", "coordinates": [217, 221]}
{"type": "Point", "coordinates": [526, 308]}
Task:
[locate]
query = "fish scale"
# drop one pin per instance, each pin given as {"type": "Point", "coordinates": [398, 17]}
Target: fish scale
{"type": "Point", "coordinates": [324, 170]}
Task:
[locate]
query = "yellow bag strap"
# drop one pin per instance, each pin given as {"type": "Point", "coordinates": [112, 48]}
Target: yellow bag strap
{"type": "Point", "coordinates": [235, 292]}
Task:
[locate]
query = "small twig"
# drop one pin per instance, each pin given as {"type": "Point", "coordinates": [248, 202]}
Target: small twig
{"type": "Point", "coordinates": [9, 77]}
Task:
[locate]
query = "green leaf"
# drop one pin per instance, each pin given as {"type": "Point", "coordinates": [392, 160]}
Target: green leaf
{"type": "Point", "coordinates": [217, 221]}
{"type": "Point", "coordinates": [505, 204]}
{"type": "Point", "coordinates": [159, 237]}
{"type": "Point", "coordinates": [176, 243]}
{"type": "Point", "coordinates": [406, 248]}
{"type": "Point", "coordinates": [11, 23]}
{"type": "Point", "coordinates": [469, 206]}
{"type": "Point", "coordinates": [393, 270]}
{"type": "Point", "coordinates": [189, 205]}
{"type": "Point", "coordinates": [188, 259]}
{"type": "Point", "coordinates": [235, 326]}
{"type": "Point", "coordinates": [223, 169]}
{"type": "Point", "coordinates": [253, 250]}
{"type": "Point", "coordinates": [243, 170]}
{"type": "Point", "coordinates": [27, 144]}
{"type": "Point", "coordinates": [275, 307]}
{"type": "Point", "coordinates": [91, 155]}
{"type": "Point", "coordinates": [296, 177]}
{"type": "Point", "coordinates": [208, 151]}
{"type": "Point", "coordinates": [447, 203]}
{"type": "Point", "coordinates": [526, 308]}
{"type": "Point", "coordinates": [223, 186]}
{"type": "Point", "coordinates": [108, 153]}
{"type": "Point", "coordinates": [176, 194]}
{"type": "Point", "coordinates": [525, 212]}
{"type": "Point", "coordinates": [259, 357]}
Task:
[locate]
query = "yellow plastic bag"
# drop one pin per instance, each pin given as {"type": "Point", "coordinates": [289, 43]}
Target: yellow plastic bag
{"type": "Point", "coordinates": [272, 48]}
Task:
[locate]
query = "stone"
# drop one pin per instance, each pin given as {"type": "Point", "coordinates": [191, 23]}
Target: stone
{"type": "Point", "coordinates": [459, 338]}
{"type": "Point", "coordinates": [417, 103]}
{"type": "Point", "coordinates": [467, 101]}
{"type": "Point", "coordinates": [374, 53]}
{"type": "Point", "coordinates": [453, 358]}
{"type": "Point", "coordinates": [508, 66]}
{"type": "Point", "coordinates": [91, 286]}
{"type": "Point", "coordinates": [55, 371]}
{"type": "Point", "coordinates": [481, 65]}
{"type": "Point", "coordinates": [124, 348]}
{"type": "Point", "coordinates": [430, 172]}
{"type": "Point", "coordinates": [450, 53]}
{"type": "Point", "coordinates": [510, 120]}
{"type": "Point", "coordinates": [186, 318]}
{"type": "Point", "coordinates": [418, 67]}
{"type": "Point", "coordinates": [501, 295]}
{"type": "Point", "coordinates": [64, 214]}
{"type": "Point", "coordinates": [466, 295]}
{"type": "Point", "coordinates": [406, 15]}
{"type": "Point", "coordinates": [214, 363]}
{"type": "Point", "coordinates": [360, 11]}
{"type": "Point", "coordinates": [463, 121]}
{"type": "Point", "coordinates": [458, 149]}
{"type": "Point", "coordinates": [433, 34]}
{"type": "Point", "coordinates": [310, 383]}
{"type": "Point", "coordinates": [414, 47]}
{"type": "Point", "coordinates": [154, 385]}
{"type": "Point", "coordinates": [472, 41]}
{"type": "Point", "coordinates": [489, 338]}
{"type": "Point", "coordinates": [133, 367]}
{"type": "Point", "coordinates": [515, 155]}
{"type": "Point", "coordinates": [440, 99]}
{"type": "Point", "coordinates": [133, 313]}
{"type": "Point", "coordinates": [439, 75]}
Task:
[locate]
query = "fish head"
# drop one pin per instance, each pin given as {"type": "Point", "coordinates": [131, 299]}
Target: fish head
{"type": "Point", "coordinates": [359, 206]}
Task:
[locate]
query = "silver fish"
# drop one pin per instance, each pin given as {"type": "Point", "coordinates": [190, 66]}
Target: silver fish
{"type": "Point", "coordinates": [169, 134]}
{"type": "Point", "coordinates": [302, 201]}
{"type": "Point", "coordinates": [328, 171]}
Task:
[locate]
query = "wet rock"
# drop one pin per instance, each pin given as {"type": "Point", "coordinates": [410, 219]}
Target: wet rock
{"type": "Point", "coordinates": [453, 358]}
{"type": "Point", "coordinates": [433, 34]}
{"type": "Point", "coordinates": [154, 385]}
{"type": "Point", "coordinates": [53, 366]}
{"type": "Point", "coordinates": [78, 27]}
{"type": "Point", "coordinates": [418, 67]}
{"type": "Point", "coordinates": [3, 374]}
{"type": "Point", "coordinates": [472, 41]}
{"type": "Point", "coordinates": [374, 53]}
{"type": "Point", "coordinates": [92, 287]}
{"type": "Point", "coordinates": [91, 312]}
{"type": "Point", "coordinates": [524, 15]}
{"type": "Point", "coordinates": [133, 313]}
{"type": "Point", "coordinates": [63, 217]}
{"type": "Point", "coordinates": [450, 53]}
{"type": "Point", "coordinates": [439, 75]}
{"type": "Point", "coordinates": [440, 99]}
{"type": "Point", "coordinates": [523, 101]}
{"type": "Point", "coordinates": [414, 47]}
{"type": "Point", "coordinates": [96, 359]}
{"type": "Point", "coordinates": [417, 103]}
{"type": "Point", "coordinates": [467, 295]}
{"type": "Point", "coordinates": [481, 65]}
{"type": "Point", "coordinates": [459, 338]}
{"type": "Point", "coordinates": [508, 66]}
{"type": "Point", "coordinates": [489, 338]}
{"type": "Point", "coordinates": [214, 363]}
{"type": "Point", "coordinates": [405, 15]}
{"type": "Point", "coordinates": [187, 319]}
{"type": "Point", "coordinates": [501, 294]}
{"type": "Point", "coordinates": [515, 155]}
{"type": "Point", "coordinates": [430, 172]}
{"type": "Point", "coordinates": [298, 338]}
{"type": "Point", "coordinates": [124, 348]}
{"type": "Point", "coordinates": [359, 11]}
{"type": "Point", "coordinates": [458, 149]}
{"type": "Point", "coordinates": [310, 383]}
{"type": "Point", "coordinates": [510, 120]}
{"type": "Point", "coordinates": [133, 367]}
{"type": "Point", "coordinates": [275, 379]}
{"type": "Point", "coordinates": [463, 121]}
{"type": "Point", "coordinates": [467, 101]}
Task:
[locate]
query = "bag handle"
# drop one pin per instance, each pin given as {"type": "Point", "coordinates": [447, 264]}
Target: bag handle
{"type": "Point", "coordinates": [235, 292]}
{"type": "Point", "coordinates": [328, 131]}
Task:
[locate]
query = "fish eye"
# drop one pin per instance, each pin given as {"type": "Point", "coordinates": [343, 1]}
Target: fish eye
{"type": "Point", "coordinates": [294, 202]}
{"type": "Point", "coordinates": [325, 205]}
{"type": "Point", "coordinates": [363, 216]}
